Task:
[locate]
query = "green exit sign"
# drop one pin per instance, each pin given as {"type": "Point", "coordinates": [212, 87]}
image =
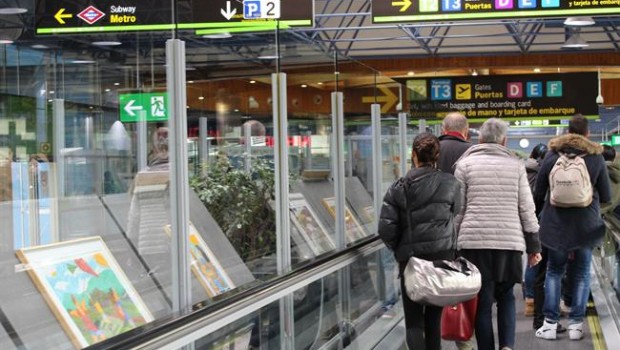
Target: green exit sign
{"type": "Point", "coordinates": [150, 107]}
{"type": "Point", "coordinates": [615, 140]}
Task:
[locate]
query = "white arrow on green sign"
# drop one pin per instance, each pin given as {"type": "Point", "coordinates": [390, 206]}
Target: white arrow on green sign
{"type": "Point", "coordinates": [152, 106]}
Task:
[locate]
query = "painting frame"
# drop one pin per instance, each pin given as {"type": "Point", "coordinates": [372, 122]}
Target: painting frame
{"type": "Point", "coordinates": [353, 230]}
{"type": "Point", "coordinates": [63, 273]}
{"type": "Point", "coordinates": [198, 250]}
{"type": "Point", "coordinates": [311, 230]}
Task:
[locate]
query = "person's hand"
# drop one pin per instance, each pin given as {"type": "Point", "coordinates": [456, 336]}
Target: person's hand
{"type": "Point", "coordinates": [533, 259]}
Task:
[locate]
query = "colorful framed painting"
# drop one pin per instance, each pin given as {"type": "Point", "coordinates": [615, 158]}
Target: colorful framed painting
{"type": "Point", "coordinates": [311, 231]}
{"type": "Point", "coordinates": [205, 265]}
{"type": "Point", "coordinates": [354, 230]}
{"type": "Point", "coordinates": [86, 289]}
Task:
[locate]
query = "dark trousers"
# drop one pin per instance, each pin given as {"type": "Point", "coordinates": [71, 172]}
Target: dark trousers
{"type": "Point", "coordinates": [502, 293]}
{"type": "Point", "coordinates": [539, 290]}
{"type": "Point", "coordinates": [423, 323]}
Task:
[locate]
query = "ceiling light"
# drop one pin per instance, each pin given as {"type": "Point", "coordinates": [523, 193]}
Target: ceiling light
{"type": "Point", "coordinates": [190, 68]}
{"type": "Point", "coordinates": [51, 92]}
{"type": "Point", "coordinates": [117, 84]}
{"type": "Point", "coordinates": [575, 41]}
{"type": "Point", "coordinates": [474, 73]}
{"type": "Point", "coordinates": [40, 46]}
{"type": "Point", "coordinates": [411, 73]}
{"type": "Point", "coordinates": [106, 43]}
{"type": "Point", "coordinates": [320, 83]}
{"type": "Point", "coordinates": [82, 61]}
{"type": "Point", "coordinates": [217, 36]}
{"type": "Point", "coordinates": [252, 81]}
{"type": "Point", "coordinates": [5, 41]}
{"type": "Point", "coordinates": [190, 82]}
{"type": "Point", "coordinates": [304, 85]}
{"type": "Point", "coordinates": [267, 57]}
{"type": "Point", "coordinates": [578, 21]}
{"type": "Point", "coordinates": [536, 70]}
{"type": "Point", "coordinates": [201, 98]}
{"type": "Point", "coordinates": [12, 11]}
{"type": "Point", "coordinates": [107, 90]}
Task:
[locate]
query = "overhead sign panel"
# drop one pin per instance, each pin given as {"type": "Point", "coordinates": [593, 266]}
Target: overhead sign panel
{"type": "Point", "coordinates": [402, 11]}
{"type": "Point", "coordinates": [237, 14]}
{"type": "Point", "coordinates": [143, 106]}
{"type": "Point", "coordinates": [504, 96]}
{"type": "Point", "coordinates": [56, 17]}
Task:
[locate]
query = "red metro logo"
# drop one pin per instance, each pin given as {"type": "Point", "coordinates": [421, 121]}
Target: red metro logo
{"type": "Point", "coordinates": [91, 15]}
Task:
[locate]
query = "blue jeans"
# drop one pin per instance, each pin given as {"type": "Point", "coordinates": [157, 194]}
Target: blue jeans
{"type": "Point", "coordinates": [580, 286]}
{"type": "Point", "coordinates": [530, 281]}
{"type": "Point", "coordinates": [502, 292]}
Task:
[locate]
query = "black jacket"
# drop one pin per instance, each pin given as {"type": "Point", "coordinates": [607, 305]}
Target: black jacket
{"type": "Point", "coordinates": [565, 229]}
{"type": "Point", "coordinates": [451, 149]}
{"type": "Point", "coordinates": [434, 199]}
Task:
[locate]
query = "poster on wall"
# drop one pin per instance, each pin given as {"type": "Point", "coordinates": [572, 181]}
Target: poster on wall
{"type": "Point", "coordinates": [545, 96]}
{"type": "Point", "coordinates": [205, 265]}
{"type": "Point", "coordinates": [354, 230]}
{"type": "Point", "coordinates": [311, 231]}
{"type": "Point", "coordinates": [86, 289]}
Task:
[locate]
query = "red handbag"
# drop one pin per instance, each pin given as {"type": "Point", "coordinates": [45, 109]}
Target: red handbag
{"type": "Point", "coordinates": [458, 321]}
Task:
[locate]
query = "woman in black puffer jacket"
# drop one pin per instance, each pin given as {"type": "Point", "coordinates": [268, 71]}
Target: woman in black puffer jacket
{"type": "Point", "coordinates": [431, 199]}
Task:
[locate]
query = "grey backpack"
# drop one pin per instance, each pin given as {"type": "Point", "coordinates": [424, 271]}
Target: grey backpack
{"type": "Point", "coordinates": [569, 181]}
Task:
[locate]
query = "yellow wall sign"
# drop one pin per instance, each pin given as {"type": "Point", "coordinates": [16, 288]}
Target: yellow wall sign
{"type": "Point", "coordinates": [463, 91]}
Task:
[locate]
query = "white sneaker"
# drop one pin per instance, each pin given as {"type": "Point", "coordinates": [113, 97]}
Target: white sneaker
{"type": "Point", "coordinates": [564, 309]}
{"type": "Point", "coordinates": [575, 331]}
{"type": "Point", "coordinates": [547, 331]}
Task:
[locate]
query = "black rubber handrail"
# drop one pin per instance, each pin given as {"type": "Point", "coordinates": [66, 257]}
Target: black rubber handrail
{"type": "Point", "coordinates": [137, 336]}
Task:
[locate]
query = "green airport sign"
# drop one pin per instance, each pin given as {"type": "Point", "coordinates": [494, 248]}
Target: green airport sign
{"type": "Point", "coordinates": [152, 106]}
{"type": "Point", "coordinates": [615, 140]}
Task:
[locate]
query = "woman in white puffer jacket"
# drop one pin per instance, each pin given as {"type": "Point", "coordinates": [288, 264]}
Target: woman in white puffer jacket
{"type": "Point", "coordinates": [496, 224]}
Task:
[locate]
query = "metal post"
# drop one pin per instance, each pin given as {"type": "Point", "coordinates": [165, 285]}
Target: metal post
{"type": "Point", "coordinates": [421, 126]}
{"type": "Point", "coordinates": [402, 134]}
{"type": "Point", "coordinates": [280, 136]}
{"type": "Point", "coordinates": [179, 180]}
{"type": "Point", "coordinates": [247, 130]}
{"type": "Point", "coordinates": [377, 161]}
{"type": "Point", "coordinates": [349, 157]}
{"type": "Point", "coordinates": [203, 144]}
{"type": "Point", "coordinates": [338, 166]}
{"type": "Point", "coordinates": [58, 108]}
{"type": "Point", "coordinates": [141, 151]}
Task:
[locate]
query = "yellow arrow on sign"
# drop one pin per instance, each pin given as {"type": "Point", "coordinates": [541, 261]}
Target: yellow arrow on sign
{"type": "Point", "coordinates": [404, 3]}
{"type": "Point", "coordinates": [60, 15]}
{"type": "Point", "coordinates": [388, 100]}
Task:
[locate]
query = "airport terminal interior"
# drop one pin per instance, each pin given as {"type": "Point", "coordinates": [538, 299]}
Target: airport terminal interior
{"type": "Point", "coordinates": [225, 161]}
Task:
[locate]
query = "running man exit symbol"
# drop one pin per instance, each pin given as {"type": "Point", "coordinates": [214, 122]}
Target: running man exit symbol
{"type": "Point", "coordinates": [157, 106]}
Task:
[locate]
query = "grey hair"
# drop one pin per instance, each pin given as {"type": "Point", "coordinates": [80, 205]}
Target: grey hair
{"type": "Point", "coordinates": [494, 130]}
{"type": "Point", "coordinates": [454, 121]}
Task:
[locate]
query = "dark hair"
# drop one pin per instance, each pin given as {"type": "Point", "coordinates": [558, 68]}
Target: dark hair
{"type": "Point", "coordinates": [426, 147]}
{"type": "Point", "coordinates": [609, 153]}
{"type": "Point", "coordinates": [539, 151]}
{"type": "Point", "coordinates": [578, 125]}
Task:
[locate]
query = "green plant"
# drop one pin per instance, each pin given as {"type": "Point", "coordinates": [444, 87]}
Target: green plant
{"type": "Point", "coordinates": [240, 203]}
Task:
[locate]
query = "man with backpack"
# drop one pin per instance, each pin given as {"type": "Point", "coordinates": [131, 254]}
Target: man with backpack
{"type": "Point", "coordinates": [572, 182]}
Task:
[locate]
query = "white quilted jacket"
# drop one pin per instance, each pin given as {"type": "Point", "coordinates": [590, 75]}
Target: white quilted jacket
{"type": "Point", "coordinates": [497, 201]}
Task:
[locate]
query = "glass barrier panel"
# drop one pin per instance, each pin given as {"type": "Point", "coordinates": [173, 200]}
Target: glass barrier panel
{"type": "Point", "coordinates": [85, 207]}
{"type": "Point", "coordinates": [321, 320]}
{"type": "Point", "coordinates": [311, 193]}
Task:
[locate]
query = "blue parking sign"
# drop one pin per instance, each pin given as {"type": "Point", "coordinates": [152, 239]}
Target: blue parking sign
{"type": "Point", "coordinates": [251, 9]}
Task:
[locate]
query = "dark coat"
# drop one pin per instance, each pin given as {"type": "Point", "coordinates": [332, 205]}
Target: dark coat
{"type": "Point", "coordinates": [566, 229]}
{"type": "Point", "coordinates": [434, 200]}
{"type": "Point", "coordinates": [450, 150]}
